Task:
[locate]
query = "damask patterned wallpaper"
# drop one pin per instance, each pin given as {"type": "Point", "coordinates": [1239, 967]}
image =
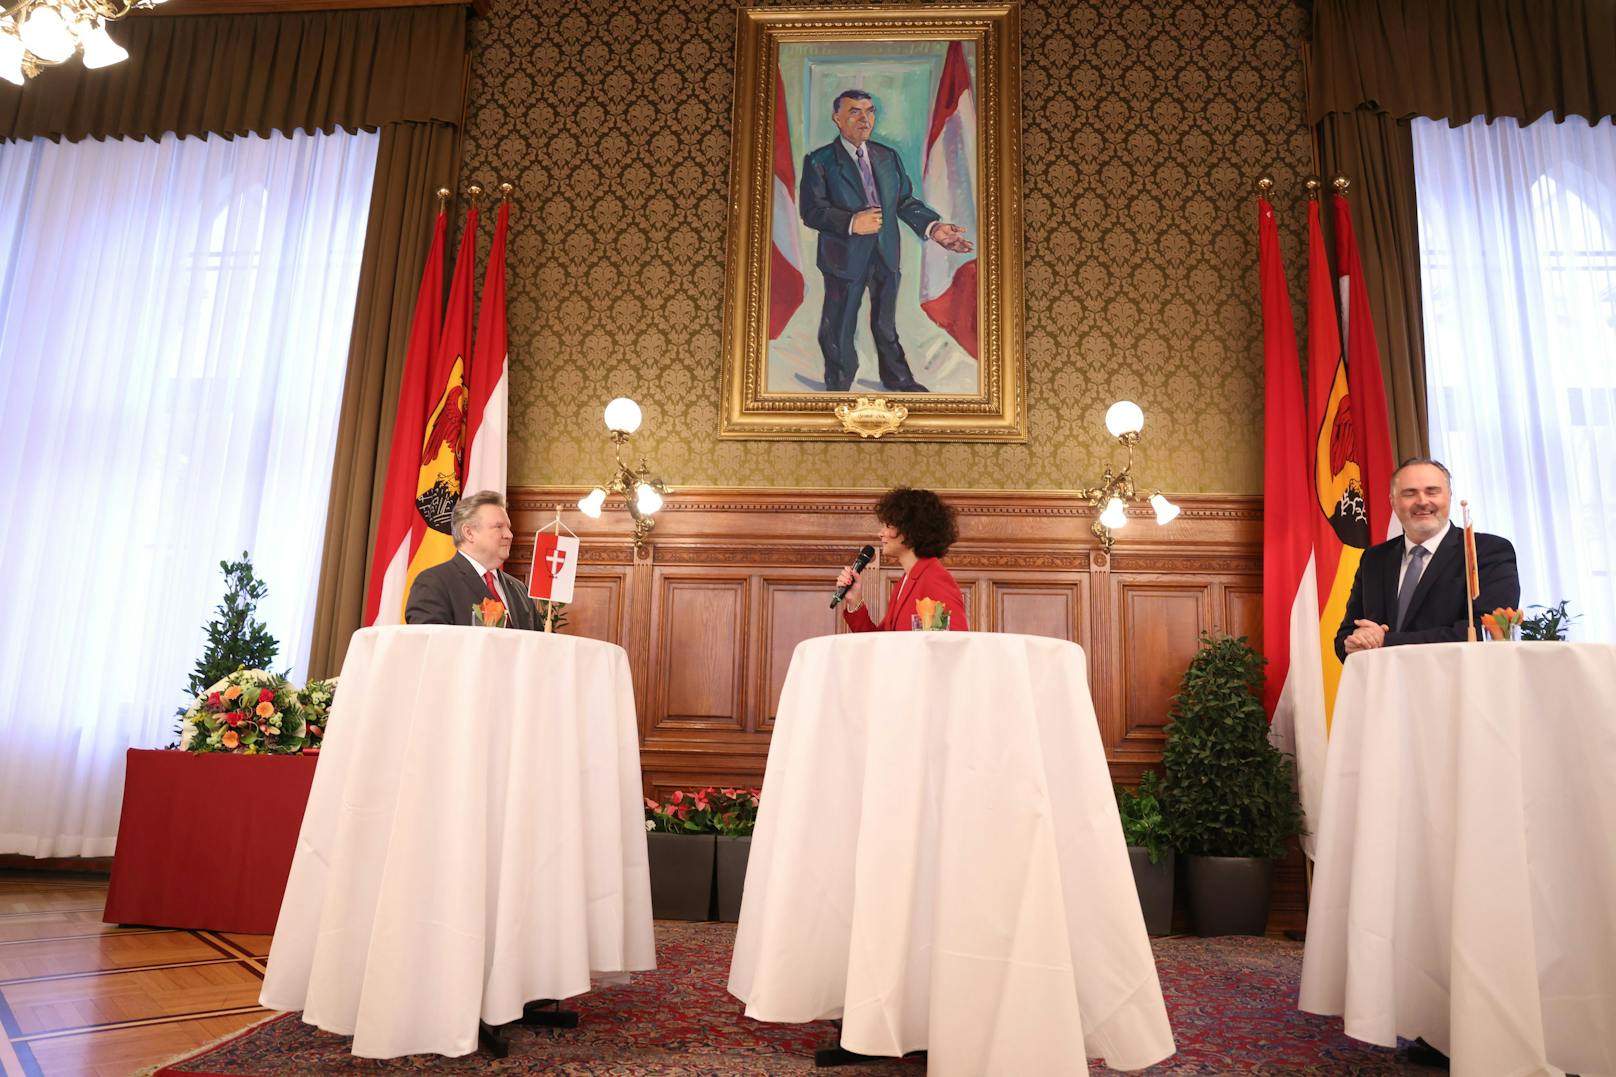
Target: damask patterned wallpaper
{"type": "Point", "coordinates": [1146, 125]}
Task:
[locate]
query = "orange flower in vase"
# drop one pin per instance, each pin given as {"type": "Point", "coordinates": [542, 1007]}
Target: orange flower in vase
{"type": "Point", "coordinates": [489, 613]}
{"type": "Point", "coordinates": [930, 616]}
{"type": "Point", "coordinates": [1502, 622]}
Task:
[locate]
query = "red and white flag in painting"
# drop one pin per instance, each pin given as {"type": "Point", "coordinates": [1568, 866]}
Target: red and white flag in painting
{"type": "Point", "coordinates": [785, 254]}
{"type": "Point", "coordinates": [555, 566]}
{"type": "Point", "coordinates": [948, 185]}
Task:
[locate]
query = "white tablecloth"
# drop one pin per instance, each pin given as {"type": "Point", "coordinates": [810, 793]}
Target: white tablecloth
{"type": "Point", "coordinates": [474, 839]}
{"type": "Point", "coordinates": [939, 861]}
{"type": "Point", "coordinates": [1465, 889]}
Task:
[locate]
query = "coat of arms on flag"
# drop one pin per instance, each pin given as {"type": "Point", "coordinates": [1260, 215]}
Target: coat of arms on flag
{"type": "Point", "coordinates": [555, 566]}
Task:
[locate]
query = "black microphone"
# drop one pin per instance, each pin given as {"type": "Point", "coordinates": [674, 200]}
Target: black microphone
{"type": "Point", "coordinates": [859, 562]}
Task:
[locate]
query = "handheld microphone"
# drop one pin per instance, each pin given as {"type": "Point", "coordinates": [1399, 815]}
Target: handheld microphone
{"type": "Point", "coordinates": [859, 562]}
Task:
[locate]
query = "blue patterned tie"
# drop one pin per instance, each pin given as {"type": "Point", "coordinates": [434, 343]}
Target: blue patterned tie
{"type": "Point", "coordinates": [870, 195]}
{"type": "Point", "coordinates": [1411, 580]}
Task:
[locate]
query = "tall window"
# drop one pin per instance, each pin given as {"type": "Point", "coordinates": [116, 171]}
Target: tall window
{"type": "Point", "coordinates": [174, 323]}
{"type": "Point", "coordinates": [1518, 259]}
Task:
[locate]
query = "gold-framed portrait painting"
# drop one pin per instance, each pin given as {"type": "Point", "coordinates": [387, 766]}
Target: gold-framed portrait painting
{"type": "Point", "coordinates": [874, 252]}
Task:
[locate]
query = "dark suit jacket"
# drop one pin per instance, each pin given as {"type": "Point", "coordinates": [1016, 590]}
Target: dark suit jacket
{"type": "Point", "coordinates": [1436, 613]}
{"type": "Point", "coordinates": [832, 191]}
{"type": "Point", "coordinates": [928, 579]}
{"type": "Point", "coordinates": [444, 595]}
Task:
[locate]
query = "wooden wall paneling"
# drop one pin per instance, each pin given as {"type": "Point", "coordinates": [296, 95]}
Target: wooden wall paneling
{"type": "Point", "coordinates": [793, 607]}
{"type": "Point", "coordinates": [700, 629]}
{"type": "Point", "coordinates": [1242, 612]}
{"type": "Point", "coordinates": [1033, 606]}
{"type": "Point", "coordinates": [1160, 620]}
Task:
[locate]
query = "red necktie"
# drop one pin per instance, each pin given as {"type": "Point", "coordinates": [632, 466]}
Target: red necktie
{"type": "Point", "coordinates": [488, 578]}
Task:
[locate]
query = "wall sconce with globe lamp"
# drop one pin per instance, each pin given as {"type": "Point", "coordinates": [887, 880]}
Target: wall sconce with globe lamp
{"type": "Point", "coordinates": [642, 492]}
{"type": "Point", "coordinates": [1124, 421]}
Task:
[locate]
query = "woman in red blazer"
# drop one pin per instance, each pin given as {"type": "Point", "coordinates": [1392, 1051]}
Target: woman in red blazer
{"type": "Point", "coordinates": [917, 528]}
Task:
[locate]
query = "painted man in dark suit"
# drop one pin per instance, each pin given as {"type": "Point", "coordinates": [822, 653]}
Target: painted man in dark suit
{"type": "Point", "coordinates": [445, 594]}
{"type": "Point", "coordinates": [1387, 607]}
{"type": "Point", "coordinates": [853, 193]}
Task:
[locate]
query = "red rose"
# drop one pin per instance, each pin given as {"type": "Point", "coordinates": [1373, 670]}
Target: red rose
{"type": "Point", "coordinates": [233, 719]}
{"type": "Point", "coordinates": [265, 695]}
{"type": "Point", "coordinates": [213, 699]}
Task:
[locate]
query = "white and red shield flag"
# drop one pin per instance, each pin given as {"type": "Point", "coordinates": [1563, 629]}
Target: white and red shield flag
{"type": "Point", "coordinates": [948, 184]}
{"type": "Point", "coordinates": [555, 567]}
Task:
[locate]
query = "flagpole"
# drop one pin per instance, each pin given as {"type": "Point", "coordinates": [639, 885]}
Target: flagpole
{"type": "Point", "coordinates": [1470, 599]}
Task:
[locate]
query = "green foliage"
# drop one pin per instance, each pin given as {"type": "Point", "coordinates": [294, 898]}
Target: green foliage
{"type": "Point", "coordinates": [1229, 791]}
{"type": "Point", "coordinates": [1553, 623]}
{"type": "Point", "coordinates": [1143, 823]}
{"type": "Point", "coordinates": [542, 607]}
{"type": "Point", "coordinates": [236, 640]}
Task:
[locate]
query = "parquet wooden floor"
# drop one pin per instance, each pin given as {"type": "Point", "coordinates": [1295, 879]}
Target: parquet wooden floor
{"type": "Point", "coordinates": [81, 997]}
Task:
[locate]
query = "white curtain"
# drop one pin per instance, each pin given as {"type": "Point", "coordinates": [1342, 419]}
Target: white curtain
{"type": "Point", "coordinates": [1518, 262]}
{"type": "Point", "coordinates": [174, 322]}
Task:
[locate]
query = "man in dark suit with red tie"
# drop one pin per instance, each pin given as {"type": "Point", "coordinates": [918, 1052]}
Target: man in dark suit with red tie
{"type": "Point", "coordinates": [1411, 589]}
{"type": "Point", "coordinates": [445, 594]}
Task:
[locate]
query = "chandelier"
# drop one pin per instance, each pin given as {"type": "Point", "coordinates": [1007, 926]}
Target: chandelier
{"type": "Point", "coordinates": [36, 34]}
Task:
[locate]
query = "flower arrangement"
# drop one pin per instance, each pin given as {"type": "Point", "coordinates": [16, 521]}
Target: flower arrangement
{"type": "Point", "coordinates": [731, 812]}
{"type": "Point", "coordinates": [489, 613]}
{"type": "Point", "coordinates": [315, 703]}
{"type": "Point", "coordinates": [248, 712]}
{"type": "Point", "coordinates": [931, 616]}
{"type": "Point", "coordinates": [1502, 622]}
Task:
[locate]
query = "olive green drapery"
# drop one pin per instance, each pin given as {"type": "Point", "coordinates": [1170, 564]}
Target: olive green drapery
{"type": "Point", "coordinates": [398, 71]}
{"type": "Point", "coordinates": [1379, 63]}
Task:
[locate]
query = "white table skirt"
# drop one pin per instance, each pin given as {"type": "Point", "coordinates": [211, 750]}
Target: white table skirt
{"type": "Point", "coordinates": [1465, 888]}
{"type": "Point", "coordinates": [474, 839]}
{"type": "Point", "coordinates": [939, 861]}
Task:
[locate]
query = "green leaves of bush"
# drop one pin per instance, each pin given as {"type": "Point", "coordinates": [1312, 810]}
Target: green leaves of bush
{"type": "Point", "coordinates": [1229, 791]}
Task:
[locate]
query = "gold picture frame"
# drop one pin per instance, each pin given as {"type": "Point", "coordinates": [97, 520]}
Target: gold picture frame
{"type": "Point", "coordinates": [943, 296]}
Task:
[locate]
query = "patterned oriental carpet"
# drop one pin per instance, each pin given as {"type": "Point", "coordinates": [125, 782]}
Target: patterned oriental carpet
{"type": "Point", "coordinates": [1232, 1002]}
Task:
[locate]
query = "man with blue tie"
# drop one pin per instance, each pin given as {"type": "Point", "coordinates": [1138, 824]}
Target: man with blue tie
{"type": "Point", "coordinates": [853, 193]}
{"type": "Point", "coordinates": [1411, 589]}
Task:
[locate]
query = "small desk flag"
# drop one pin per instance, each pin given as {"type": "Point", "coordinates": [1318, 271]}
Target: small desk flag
{"type": "Point", "coordinates": [555, 566]}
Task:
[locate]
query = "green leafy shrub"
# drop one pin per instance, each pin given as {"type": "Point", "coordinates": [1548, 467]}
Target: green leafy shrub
{"type": "Point", "coordinates": [1143, 823]}
{"type": "Point", "coordinates": [1229, 792]}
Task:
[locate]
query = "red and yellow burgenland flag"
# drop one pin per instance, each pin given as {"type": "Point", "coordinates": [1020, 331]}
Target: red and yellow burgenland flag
{"type": "Point", "coordinates": [399, 524]}
{"type": "Point", "coordinates": [1351, 443]}
{"type": "Point", "coordinates": [426, 458]}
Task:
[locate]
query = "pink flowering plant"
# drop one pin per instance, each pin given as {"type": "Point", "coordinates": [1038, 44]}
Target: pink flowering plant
{"type": "Point", "coordinates": [712, 810]}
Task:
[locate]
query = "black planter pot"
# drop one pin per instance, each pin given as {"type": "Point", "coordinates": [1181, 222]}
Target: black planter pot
{"type": "Point", "coordinates": [732, 856]}
{"type": "Point", "coordinates": [1228, 894]}
{"type": "Point", "coordinates": [1155, 885]}
{"type": "Point", "coordinates": [681, 875]}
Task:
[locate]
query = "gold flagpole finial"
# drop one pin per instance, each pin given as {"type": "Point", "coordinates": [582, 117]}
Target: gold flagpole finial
{"type": "Point", "coordinates": [1341, 183]}
{"type": "Point", "coordinates": [444, 194]}
{"type": "Point", "coordinates": [1266, 186]}
{"type": "Point", "coordinates": [505, 191]}
{"type": "Point", "coordinates": [474, 192]}
{"type": "Point", "coordinates": [1313, 187]}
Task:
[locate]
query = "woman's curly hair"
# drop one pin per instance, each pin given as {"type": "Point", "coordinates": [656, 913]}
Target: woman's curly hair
{"type": "Point", "coordinates": [924, 520]}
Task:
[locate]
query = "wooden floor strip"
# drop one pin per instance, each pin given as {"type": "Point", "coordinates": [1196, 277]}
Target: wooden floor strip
{"type": "Point", "coordinates": [118, 972]}
{"type": "Point", "coordinates": [145, 1022]}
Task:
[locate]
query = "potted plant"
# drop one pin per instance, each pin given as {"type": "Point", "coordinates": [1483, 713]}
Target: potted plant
{"type": "Point", "coordinates": [734, 815]}
{"type": "Point", "coordinates": [679, 844]}
{"type": "Point", "coordinates": [1145, 830]}
{"type": "Point", "coordinates": [1230, 794]}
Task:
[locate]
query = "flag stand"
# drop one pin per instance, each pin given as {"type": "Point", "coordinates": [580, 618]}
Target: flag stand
{"type": "Point", "coordinates": [1470, 571]}
{"type": "Point", "coordinates": [557, 527]}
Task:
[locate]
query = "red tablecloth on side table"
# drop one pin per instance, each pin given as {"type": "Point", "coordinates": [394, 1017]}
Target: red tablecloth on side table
{"type": "Point", "coordinates": [206, 841]}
